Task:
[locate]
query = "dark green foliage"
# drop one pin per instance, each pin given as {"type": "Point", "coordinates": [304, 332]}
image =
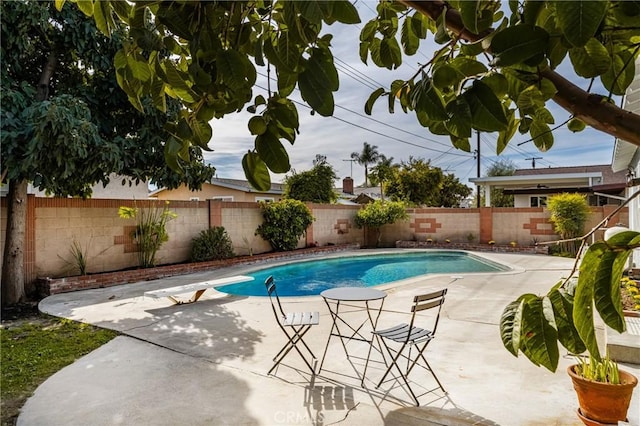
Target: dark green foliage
{"type": "Point", "coordinates": [212, 244]}
{"type": "Point", "coordinates": [379, 213]}
{"type": "Point", "coordinates": [314, 186]}
{"type": "Point", "coordinates": [569, 213]}
{"type": "Point", "coordinates": [498, 197]}
{"type": "Point", "coordinates": [285, 222]}
{"type": "Point", "coordinates": [418, 183]}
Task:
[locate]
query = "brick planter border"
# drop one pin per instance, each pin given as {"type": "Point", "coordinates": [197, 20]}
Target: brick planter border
{"type": "Point", "coordinates": [48, 286]}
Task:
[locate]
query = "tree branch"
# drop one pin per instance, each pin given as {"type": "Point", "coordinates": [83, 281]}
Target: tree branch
{"type": "Point", "coordinates": [593, 109]}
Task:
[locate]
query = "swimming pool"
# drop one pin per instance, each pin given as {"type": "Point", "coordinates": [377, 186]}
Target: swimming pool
{"type": "Point", "coordinates": [309, 278]}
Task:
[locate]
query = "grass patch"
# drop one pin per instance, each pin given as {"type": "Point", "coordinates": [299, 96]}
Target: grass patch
{"type": "Point", "coordinates": [36, 347]}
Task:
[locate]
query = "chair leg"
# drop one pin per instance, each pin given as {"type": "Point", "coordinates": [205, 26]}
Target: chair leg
{"type": "Point", "coordinates": [292, 344]}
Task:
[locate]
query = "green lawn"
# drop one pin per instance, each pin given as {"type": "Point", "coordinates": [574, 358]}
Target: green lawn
{"type": "Point", "coordinates": [34, 348]}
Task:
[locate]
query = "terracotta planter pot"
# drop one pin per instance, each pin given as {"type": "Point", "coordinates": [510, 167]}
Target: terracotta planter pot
{"type": "Point", "coordinates": [604, 402]}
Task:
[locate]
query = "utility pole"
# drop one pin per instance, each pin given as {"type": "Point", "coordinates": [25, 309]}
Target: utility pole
{"type": "Point", "coordinates": [478, 171]}
{"type": "Point", "coordinates": [533, 161]}
{"type": "Point", "coordinates": [351, 161]}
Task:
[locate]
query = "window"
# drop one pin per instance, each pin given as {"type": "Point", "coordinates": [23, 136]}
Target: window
{"type": "Point", "coordinates": [265, 199]}
{"type": "Point", "coordinates": [538, 201]}
{"type": "Point", "coordinates": [194, 199]}
{"type": "Point", "coordinates": [224, 198]}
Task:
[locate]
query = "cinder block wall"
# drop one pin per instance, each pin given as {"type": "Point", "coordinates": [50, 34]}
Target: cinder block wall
{"type": "Point", "coordinates": [54, 223]}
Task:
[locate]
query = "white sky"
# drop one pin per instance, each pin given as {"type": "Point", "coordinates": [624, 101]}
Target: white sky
{"type": "Point", "coordinates": [396, 135]}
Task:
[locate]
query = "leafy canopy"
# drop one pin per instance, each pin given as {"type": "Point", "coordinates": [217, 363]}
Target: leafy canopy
{"type": "Point", "coordinates": [315, 185]}
{"type": "Point", "coordinates": [215, 48]}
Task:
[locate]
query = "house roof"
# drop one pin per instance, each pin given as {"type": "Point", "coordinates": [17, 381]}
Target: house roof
{"type": "Point", "coordinates": [237, 184]}
{"type": "Point", "coordinates": [243, 185]}
{"type": "Point", "coordinates": [575, 176]}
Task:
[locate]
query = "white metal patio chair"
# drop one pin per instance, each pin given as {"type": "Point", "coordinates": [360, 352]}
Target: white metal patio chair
{"type": "Point", "coordinates": [411, 339]}
{"type": "Point", "coordinates": [294, 325]}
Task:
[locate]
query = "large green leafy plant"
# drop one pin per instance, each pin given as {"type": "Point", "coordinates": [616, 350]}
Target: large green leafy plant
{"type": "Point", "coordinates": [285, 222]}
{"type": "Point", "coordinates": [534, 324]}
{"type": "Point", "coordinates": [491, 73]}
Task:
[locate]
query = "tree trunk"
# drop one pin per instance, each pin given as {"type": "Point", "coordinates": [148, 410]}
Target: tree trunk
{"type": "Point", "coordinates": [13, 261]}
{"type": "Point", "coordinates": [13, 257]}
{"type": "Point", "coordinates": [590, 108]}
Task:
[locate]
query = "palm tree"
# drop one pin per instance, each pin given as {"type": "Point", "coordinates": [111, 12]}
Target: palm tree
{"type": "Point", "coordinates": [382, 172]}
{"type": "Point", "coordinates": [369, 155]}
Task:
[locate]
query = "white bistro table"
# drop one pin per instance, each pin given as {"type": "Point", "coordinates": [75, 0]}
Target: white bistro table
{"type": "Point", "coordinates": [354, 297]}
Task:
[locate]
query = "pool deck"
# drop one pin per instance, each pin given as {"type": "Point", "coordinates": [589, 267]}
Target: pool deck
{"type": "Point", "coordinates": [205, 363]}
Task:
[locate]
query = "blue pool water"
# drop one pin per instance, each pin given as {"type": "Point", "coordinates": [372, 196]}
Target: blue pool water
{"type": "Point", "coordinates": [309, 278]}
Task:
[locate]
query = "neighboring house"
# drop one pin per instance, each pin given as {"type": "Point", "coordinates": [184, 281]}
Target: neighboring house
{"type": "Point", "coordinates": [114, 190]}
{"type": "Point", "coordinates": [349, 194]}
{"type": "Point", "coordinates": [222, 190]}
{"type": "Point", "coordinates": [532, 187]}
{"type": "Point", "coordinates": [626, 159]}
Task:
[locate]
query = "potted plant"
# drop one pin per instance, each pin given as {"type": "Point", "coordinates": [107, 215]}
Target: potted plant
{"type": "Point", "coordinates": [535, 324]}
{"type": "Point", "coordinates": [604, 392]}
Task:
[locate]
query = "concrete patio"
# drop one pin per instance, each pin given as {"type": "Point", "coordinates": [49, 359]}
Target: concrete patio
{"type": "Point", "coordinates": [205, 363]}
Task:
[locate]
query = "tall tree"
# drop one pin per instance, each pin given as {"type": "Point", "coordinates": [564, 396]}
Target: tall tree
{"type": "Point", "coordinates": [65, 124]}
{"type": "Point", "coordinates": [453, 192]}
{"type": "Point", "coordinates": [368, 155]}
{"type": "Point", "coordinates": [501, 168]}
{"type": "Point", "coordinates": [416, 182]}
{"type": "Point", "coordinates": [315, 185]}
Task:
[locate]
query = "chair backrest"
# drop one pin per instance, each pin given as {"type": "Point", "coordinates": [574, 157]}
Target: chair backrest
{"type": "Point", "coordinates": [270, 284]}
{"type": "Point", "coordinates": [428, 301]}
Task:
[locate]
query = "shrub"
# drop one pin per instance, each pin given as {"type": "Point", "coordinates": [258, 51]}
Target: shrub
{"type": "Point", "coordinates": [569, 213]}
{"type": "Point", "coordinates": [375, 215]}
{"type": "Point", "coordinates": [150, 232]}
{"type": "Point", "coordinates": [212, 244]}
{"type": "Point", "coordinates": [284, 223]}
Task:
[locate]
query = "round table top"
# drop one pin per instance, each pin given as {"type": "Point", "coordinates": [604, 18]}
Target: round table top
{"type": "Point", "coordinates": [353, 294]}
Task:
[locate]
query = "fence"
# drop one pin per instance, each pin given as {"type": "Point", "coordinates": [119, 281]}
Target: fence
{"type": "Point", "coordinates": [53, 224]}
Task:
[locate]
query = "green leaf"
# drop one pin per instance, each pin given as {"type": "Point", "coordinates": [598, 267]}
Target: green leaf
{"type": "Point", "coordinates": [445, 76]}
{"type": "Point", "coordinates": [591, 60]}
{"type": "Point", "coordinates": [541, 135]}
{"type": "Point", "coordinates": [576, 125]}
{"type": "Point", "coordinates": [486, 110]}
{"type": "Point", "coordinates": [517, 44]}
{"type": "Point", "coordinates": [584, 297]}
{"type": "Point", "coordinates": [390, 53]}
{"type": "Point", "coordinates": [369, 30]}
{"type": "Point", "coordinates": [202, 133]}
{"type": "Point", "coordinates": [620, 74]}
{"type": "Point", "coordinates": [59, 4]}
{"type": "Point", "coordinates": [606, 292]}
{"type": "Point", "coordinates": [459, 121]}
{"type": "Point", "coordinates": [101, 17]}
{"type": "Point", "coordinates": [272, 152]}
{"type": "Point", "coordinates": [257, 125]}
{"type": "Point", "coordinates": [474, 17]}
{"type": "Point", "coordinates": [256, 172]}
{"type": "Point", "coordinates": [368, 106]}
{"type": "Point", "coordinates": [317, 82]}
{"type": "Point", "coordinates": [171, 149]}
{"type": "Point", "coordinates": [462, 144]}
{"type": "Point", "coordinates": [420, 24]}
{"type": "Point", "coordinates": [177, 82]}
{"type": "Point", "coordinates": [568, 336]}
{"type": "Point", "coordinates": [86, 6]}
{"type": "Point", "coordinates": [425, 98]}
{"type": "Point", "coordinates": [310, 10]}
{"type": "Point", "coordinates": [504, 136]}
{"type": "Point", "coordinates": [511, 324]}
{"type": "Point", "coordinates": [288, 51]}
{"type": "Point", "coordinates": [579, 19]}
{"type": "Point", "coordinates": [410, 41]}
{"type": "Point", "coordinates": [530, 100]}
{"type": "Point", "coordinates": [230, 69]}
{"type": "Point", "coordinates": [345, 12]}
{"type": "Point", "coordinates": [539, 334]}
